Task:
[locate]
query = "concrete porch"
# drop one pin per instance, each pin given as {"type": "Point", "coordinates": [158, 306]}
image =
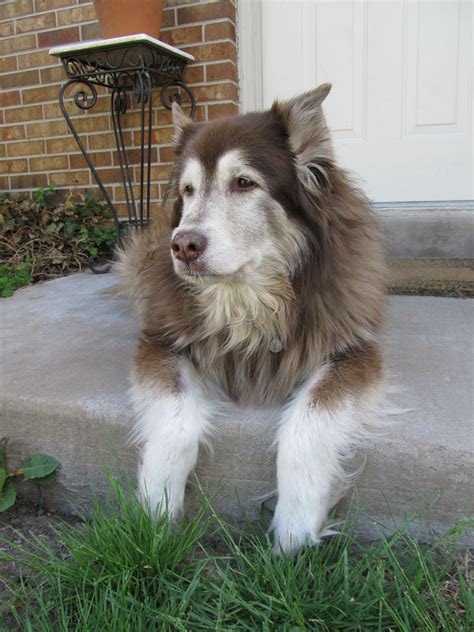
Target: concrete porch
{"type": "Point", "coordinates": [66, 349]}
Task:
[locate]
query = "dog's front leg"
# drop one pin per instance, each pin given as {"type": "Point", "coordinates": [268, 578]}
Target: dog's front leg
{"type": "Point", "coordinates": [173, 416]}
{"type": "Point", "coordinates": [318, 428]}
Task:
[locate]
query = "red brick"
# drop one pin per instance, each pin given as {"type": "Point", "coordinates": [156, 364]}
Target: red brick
{"type": "Point", "coordinates": [187, 35]}
{"type": "Point", "coordinates": [219, 31]}
{"type": "Point", "coordinates": [120, 193]}
{"type": "Point", "coordinates": [84, 13]}
{"type": "Point", "coordinates": [110, 175]}
{"type": "Point", "coordinates": [99, 159]}
{"type": "Point", "coordinates": [68, 178]}
{"type": "Point", "coordinates": [48, 5]}
{"type": "Point", "coordinates": [10, 98]}
{"type": "Point", "coordinates": [49, 163]}
{"type": "Point", "coordinates": [132, 120]}
{"type": "Point", "coordinates": [219, 72]}
{"type": "Point", "coordinates": [206, 11]}
{"type": "Point", "coordinates": [13, 166]}
{"type": "Point", "coordinates": [17, 115]}
{"type": "Point", "coordinates": [55, 74]}
{"type": "Point", "coordinates": [15, 44]}
{"type": "Point", "coordinates": [40, 95]}
{"type": "Point", "coordinates": [20, 79]}
{"type": "Point", "coordinates": [12, 132]}
{"type": "Point", "coordinates": [28, 181]}
{"type": "Point", "coordinates": [167, 154]}
{"type": "Point", "coordinates": [134, 156]}
{"type": "Point", "coordinates": [6, 29]}
{"type": "Point", "coordinates": [195, 74]}
{"type": "Point", "coordinates": [8, 63]}
{"type": "Point", "coordinates": [90, 32]}
{"type": "Point", "coordinates": [91, 124]}
{"type": "Point", "coordinates": [36, 23]}
{"type": "Point", "coordinates": [161, 172]}
{"type": "Point", "coordinates": [106, 141]}
{"type": "Point", "coordinates": [52, 110]}
{"type": "Point", "coordinates": [168, 18]}
{"type": "Point", "coordinates": [161, 135]}
{"type": "Point", "coordinates": [61, 145]}
{"type": "Point", "coordinates": [25, 149]}
{"type": "Point", "coordinates": [216, 92]}
{"type": "Point", "coordinates": [46, 128]}
{"type": "Point", "coordinates": [58, 37]}
{"type": "Point", "coordinates": [37, 58]}
{"type": "Point", "coordinates": [213, 52]}
{"type": "Point", "coordinates": [222, 110]}
{"type": "Point", "coordinates": [13, 9]}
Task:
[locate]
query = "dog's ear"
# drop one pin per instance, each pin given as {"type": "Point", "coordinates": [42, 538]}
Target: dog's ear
{"type": "Point", "coordinates": [181, 121]}
{"type": "Point", "coordinates": [308, 135]}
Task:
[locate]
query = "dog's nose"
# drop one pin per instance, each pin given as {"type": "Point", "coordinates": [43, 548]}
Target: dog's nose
{"type": "Point", "coordinates": [188, 246]}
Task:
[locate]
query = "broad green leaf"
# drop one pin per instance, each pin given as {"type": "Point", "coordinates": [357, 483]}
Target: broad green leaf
{"type": "Point", "coordinates": [38, 466]}
{"type": "Point", "coordinates": [3, 477]}
{"type": "Point", "coordinates": [49, 478]}
{"type": "Point", "coordinates": [7, 499]}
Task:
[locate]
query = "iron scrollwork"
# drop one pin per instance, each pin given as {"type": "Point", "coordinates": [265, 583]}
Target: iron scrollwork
{"type": "Point", "coordinates": [130, 72]}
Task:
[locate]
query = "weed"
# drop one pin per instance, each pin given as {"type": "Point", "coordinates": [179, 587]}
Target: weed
{"type": "Point", "coordinates": [123, 569]}
{"type": "Point", "coordinates": [38, 467]}
{"type": "Point", "coordinates": [41, 238]}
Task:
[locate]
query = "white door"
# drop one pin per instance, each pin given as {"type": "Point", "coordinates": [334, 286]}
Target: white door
{"type": "Point", "coordinates": [401, 105]}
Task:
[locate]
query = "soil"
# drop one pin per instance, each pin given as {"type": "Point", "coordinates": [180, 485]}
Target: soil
{"type": "Point", "coordinates": [27, 519]}
{"type": "Point", "coordinates": [448, 277]}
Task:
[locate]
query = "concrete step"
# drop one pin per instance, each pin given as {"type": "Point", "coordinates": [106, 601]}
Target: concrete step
{"type": "Point", "coordinates": [66, 351]}
{"type": "Point", "coordinates": [428, 230]}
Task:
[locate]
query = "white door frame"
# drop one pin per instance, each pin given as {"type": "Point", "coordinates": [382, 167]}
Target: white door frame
{"type": "Point", "coordinates": [249, 52]}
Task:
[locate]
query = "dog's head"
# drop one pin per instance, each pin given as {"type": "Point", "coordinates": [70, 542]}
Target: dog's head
{"type": "Point", "coordinates": [242, 184]}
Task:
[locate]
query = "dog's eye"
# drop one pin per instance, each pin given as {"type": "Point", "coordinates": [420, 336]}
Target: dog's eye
{"type": "Point", "coordinates": [188, 189]}
{"type": "Point", "coordinates": [245, 183]}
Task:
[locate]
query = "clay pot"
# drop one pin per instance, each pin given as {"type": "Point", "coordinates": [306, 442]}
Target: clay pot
{"type": "Point", "coordinates": [129, 17]}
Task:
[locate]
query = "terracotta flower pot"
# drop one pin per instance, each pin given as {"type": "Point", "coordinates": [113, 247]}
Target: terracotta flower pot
{"type": "Point", "coordinates": [128, 17]}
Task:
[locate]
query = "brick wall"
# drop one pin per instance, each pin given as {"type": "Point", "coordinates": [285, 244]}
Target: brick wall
{"type": "Point", "coordinates": [35, 146]}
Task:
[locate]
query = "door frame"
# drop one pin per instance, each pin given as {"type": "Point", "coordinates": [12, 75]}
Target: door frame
{"type": "Point", "coordinates": [249, 54]}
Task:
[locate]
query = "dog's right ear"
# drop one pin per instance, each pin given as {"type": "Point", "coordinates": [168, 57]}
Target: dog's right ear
{"type": "Point", "coordinates": [308, 135]}
{"type": "Point", "coordinates": [181, 121]}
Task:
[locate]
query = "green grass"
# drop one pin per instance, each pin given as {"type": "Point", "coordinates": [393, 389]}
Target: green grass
{"type": "Point", "coordinates": [12, 279]}
{"type": "Point", "coordinates": [123, 570]}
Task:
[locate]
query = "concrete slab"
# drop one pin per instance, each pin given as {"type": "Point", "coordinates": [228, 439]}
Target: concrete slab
{"type": "Point", "coordinates": [66, 349]}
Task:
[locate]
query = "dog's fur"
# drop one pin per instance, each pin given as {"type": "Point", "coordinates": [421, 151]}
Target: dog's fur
{"type": "Point", "coordinates": [284, 307]}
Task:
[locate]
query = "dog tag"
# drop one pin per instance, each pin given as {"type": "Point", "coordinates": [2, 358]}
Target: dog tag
{"type": "Point", "coordinates": [276, 345]}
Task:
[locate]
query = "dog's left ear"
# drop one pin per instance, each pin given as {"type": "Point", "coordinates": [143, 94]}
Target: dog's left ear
{"type": "Point", "coordinates": [308, 134]}
{"type": "Point", "coordinates": [181, 121]}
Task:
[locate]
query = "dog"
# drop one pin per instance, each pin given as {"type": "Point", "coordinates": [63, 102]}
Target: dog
{"type": "Point", "coordinates": [268, 290]}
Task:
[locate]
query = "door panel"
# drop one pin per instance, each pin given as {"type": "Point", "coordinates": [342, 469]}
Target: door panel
{"type": "Point", "coordinates": [401, 105]}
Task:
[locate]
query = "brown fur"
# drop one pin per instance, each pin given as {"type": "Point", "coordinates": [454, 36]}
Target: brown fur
{"type": "Point", "coordinates": [349, 373]}
{"type": "Point", "coordinates": [155, 364]}
{"type": "Point", "coordinates": [330, 306]}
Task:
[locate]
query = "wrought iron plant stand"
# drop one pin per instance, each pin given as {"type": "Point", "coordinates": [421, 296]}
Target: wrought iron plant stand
{"type": "Point", "coordinates": [130, 67]}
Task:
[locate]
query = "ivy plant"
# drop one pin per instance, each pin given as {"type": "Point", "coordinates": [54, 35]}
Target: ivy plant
{"type": "Point", "coordinates": [42, 237]}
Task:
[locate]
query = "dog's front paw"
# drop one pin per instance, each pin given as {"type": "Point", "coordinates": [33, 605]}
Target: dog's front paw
{"type": "Point", "coordinates": [160, 500]}
{"type": "Point", "coordinates": [294, 530]}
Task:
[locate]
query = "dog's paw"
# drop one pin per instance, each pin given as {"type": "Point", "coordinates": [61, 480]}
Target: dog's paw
{"type": "Point", "coordinates": [159, 501]}
{"type": "Point", "coordinates": [293, 531]}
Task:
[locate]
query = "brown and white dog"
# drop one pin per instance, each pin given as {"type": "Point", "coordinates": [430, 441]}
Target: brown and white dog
{"type": "Point", "coordinates": [267, 291]}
